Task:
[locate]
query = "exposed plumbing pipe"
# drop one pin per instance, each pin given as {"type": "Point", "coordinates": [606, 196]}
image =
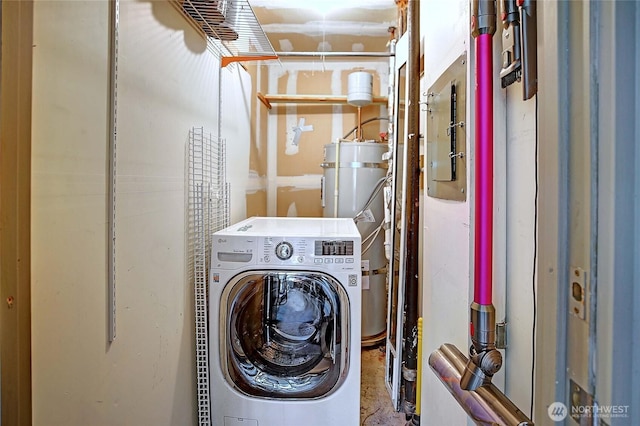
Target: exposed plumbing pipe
{"type": "Point", "coordinates": [369, 120]}
{"type": "Point", "coordinates": [469, 380]}
{"type": "Point", "coordinates": [483, 232]}
{"type": "Point", "coordinates": [412, 209]}
{"type": "Point", "coordinates": [389, 199]}
{"type": "Point", "coordinates": [484, 359]}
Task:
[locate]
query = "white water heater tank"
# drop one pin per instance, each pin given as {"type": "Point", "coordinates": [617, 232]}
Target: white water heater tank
{"type": "Point", "coordinates": [352, 172]}
{"type": "Point", "coordinates": [360, 89]}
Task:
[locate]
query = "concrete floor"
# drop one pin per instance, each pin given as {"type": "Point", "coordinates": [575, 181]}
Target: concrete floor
{"type": "Point", "coordinates": [375, 402]}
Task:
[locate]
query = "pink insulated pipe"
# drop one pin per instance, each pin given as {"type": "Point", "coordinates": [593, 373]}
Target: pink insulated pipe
{"type": "Point", "coordinates": [483, 241]}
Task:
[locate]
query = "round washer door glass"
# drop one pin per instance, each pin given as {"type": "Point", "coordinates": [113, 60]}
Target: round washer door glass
{"type": "Point", "coordinates": [284, 334]}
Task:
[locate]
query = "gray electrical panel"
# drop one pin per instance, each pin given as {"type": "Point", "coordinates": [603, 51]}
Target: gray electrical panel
{"type": "Point", "coordinates": [446, 133]}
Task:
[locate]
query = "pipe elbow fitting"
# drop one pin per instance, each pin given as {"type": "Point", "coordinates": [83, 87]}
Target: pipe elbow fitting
{"type": "Point", "coordinates": [480, 368]}
{"type": "Point", "coordinates": [491, 362]}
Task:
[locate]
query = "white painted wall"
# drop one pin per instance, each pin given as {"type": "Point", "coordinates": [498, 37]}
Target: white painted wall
{"type": "Point", "coordinates": [235, 112]}
{"type": "Point", "coordinates": [519, 229]}
{"type": "Point", "coordinates": [448, 228]}
{"type": "Point", "coordinates": [167, 83]}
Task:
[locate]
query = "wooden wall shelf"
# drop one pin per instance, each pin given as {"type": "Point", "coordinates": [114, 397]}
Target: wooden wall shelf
{"type": "Point", "coordinates": [267, 100]}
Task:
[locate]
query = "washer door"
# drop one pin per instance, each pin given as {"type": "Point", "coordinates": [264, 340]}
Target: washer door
{"type": "Point", "coordinates": [284, 334]}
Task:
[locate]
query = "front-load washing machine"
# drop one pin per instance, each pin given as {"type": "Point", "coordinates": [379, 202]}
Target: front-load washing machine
{"type": "Point", "coordinates": [284, 303]}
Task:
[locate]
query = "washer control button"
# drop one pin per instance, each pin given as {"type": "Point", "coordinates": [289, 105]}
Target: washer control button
{"type": "Point", "coordinates": [284, 250]}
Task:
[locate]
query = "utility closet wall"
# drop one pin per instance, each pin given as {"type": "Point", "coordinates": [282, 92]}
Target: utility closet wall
{"type": "Point", "coordinates": [285, 178]}
{"type": "Point", "coordinates": [256, 195]}
{"type": "Point", "coordinates": [168, 82]}
{"type": "Point", "coordinates": [447, 277]}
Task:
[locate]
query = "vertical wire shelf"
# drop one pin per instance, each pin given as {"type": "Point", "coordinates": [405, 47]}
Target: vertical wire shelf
{"type": "Point", "coordinates": [208, 212]}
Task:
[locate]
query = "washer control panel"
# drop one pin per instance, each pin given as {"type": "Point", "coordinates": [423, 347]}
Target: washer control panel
{"type": "Point", "coordinates": [234, 253]}
{"type": "Point", "coordinates": [306, 251]}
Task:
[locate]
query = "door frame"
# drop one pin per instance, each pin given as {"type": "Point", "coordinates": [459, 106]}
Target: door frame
{"type": "Point", "coordinates": [394, 347]}
{"type": "Point", "coordinates": [15, 211]}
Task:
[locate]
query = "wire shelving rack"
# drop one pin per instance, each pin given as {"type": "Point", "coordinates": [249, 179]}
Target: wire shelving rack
{"type": "Point", "coordinates": [208, 212]}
